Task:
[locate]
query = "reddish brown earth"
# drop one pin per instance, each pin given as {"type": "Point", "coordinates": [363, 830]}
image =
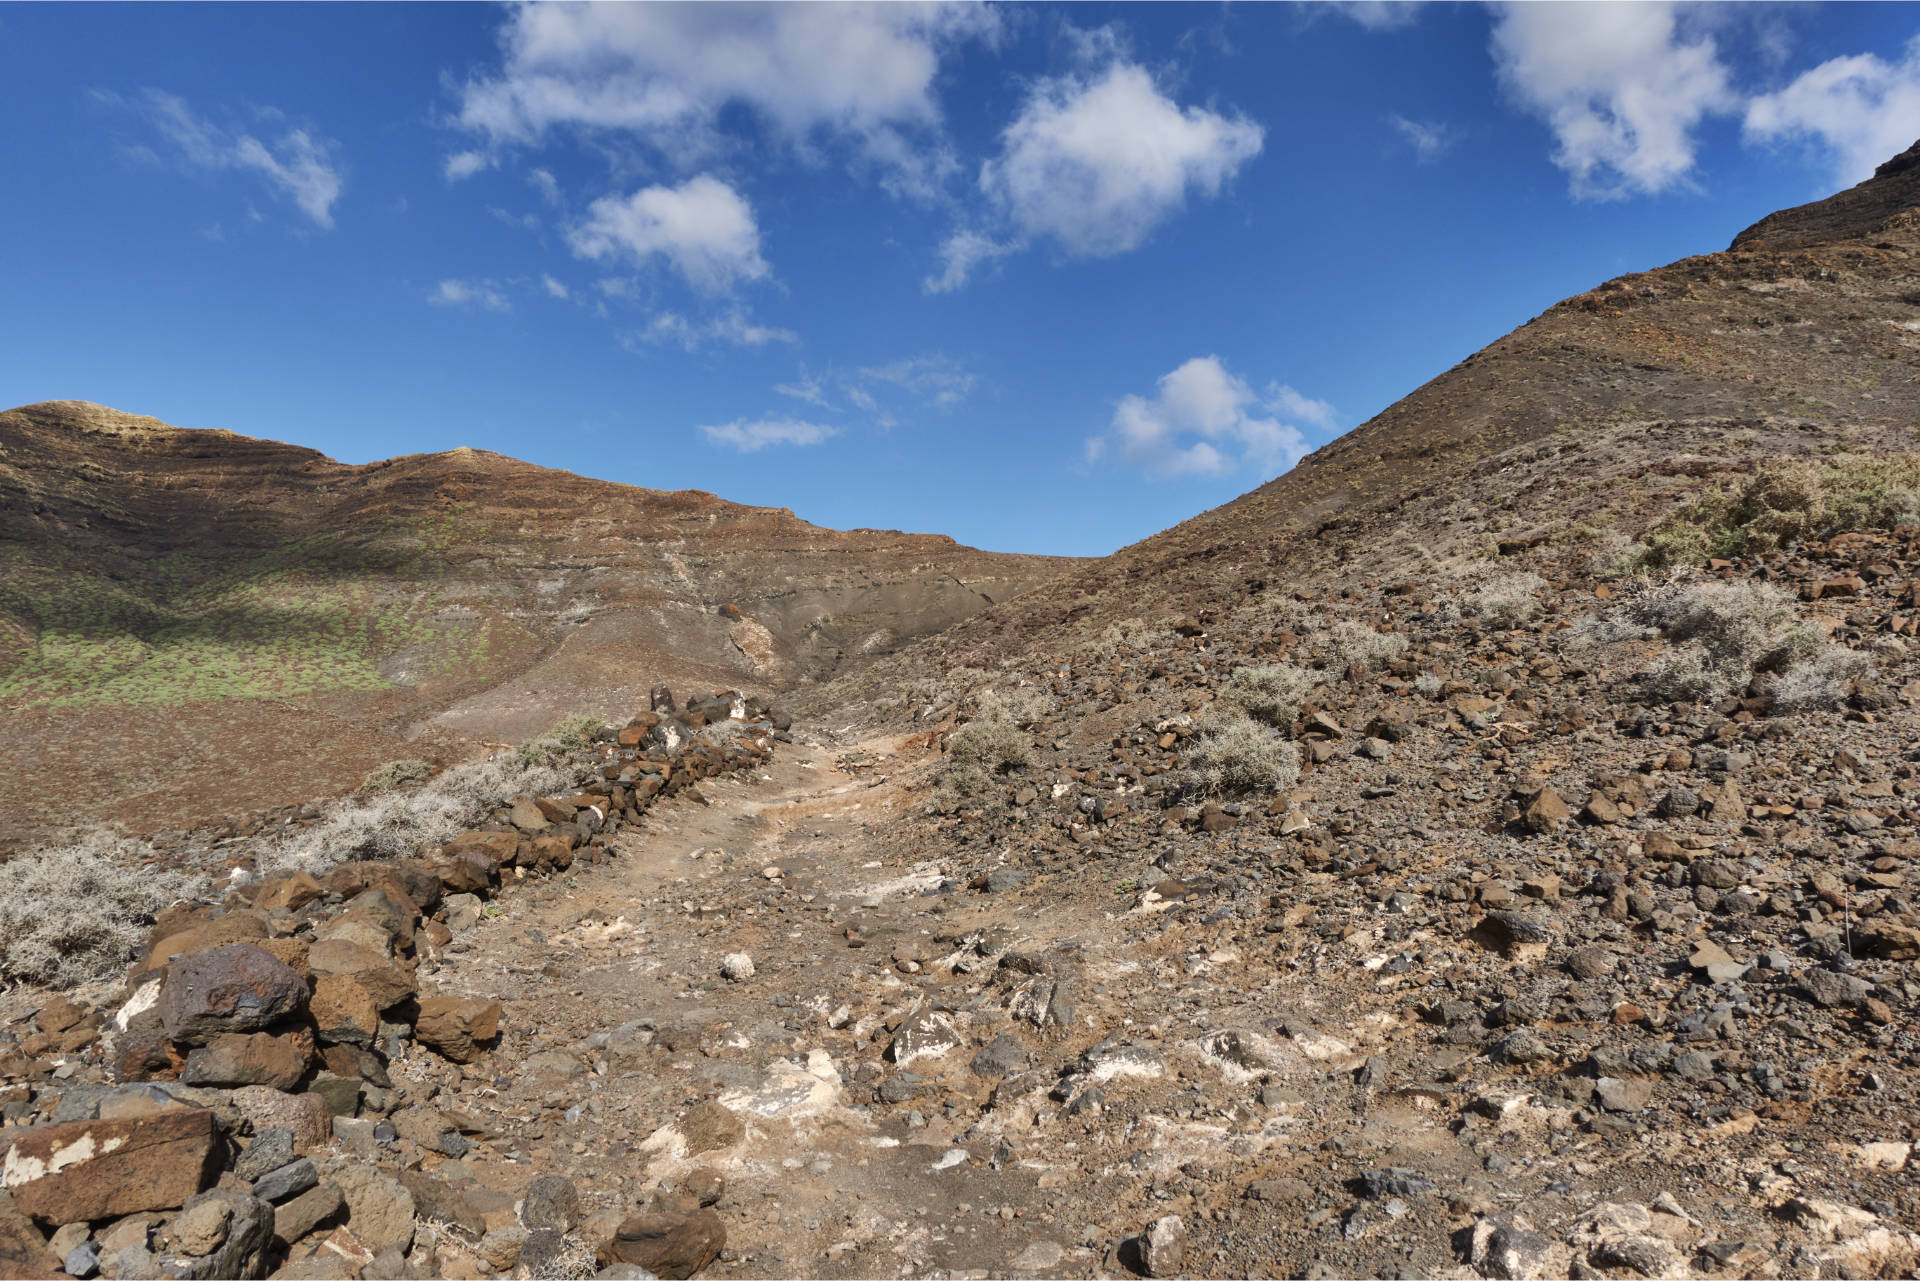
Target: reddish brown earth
{"type": "Point", "coordinates": [238, 623]}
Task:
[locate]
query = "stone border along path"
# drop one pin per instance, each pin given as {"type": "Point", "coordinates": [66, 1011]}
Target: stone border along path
{"type": "Point", "coordinates": [246, 1104]}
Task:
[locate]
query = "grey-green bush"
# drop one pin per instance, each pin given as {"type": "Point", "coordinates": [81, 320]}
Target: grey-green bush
{"type": "Point", "coordinates": [1270, 692]}
{"type": "Point", "coordinates": [1233, 755]}
{"type": "Point", "coordinates": [396, 774]}
{"type": "Point", "coordinates": [75, 912]}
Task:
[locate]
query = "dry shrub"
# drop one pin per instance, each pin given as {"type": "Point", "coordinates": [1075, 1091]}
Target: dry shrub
{"type": "Point", "coordinates": [398, 824]}
{"type": "Point", "coordinates": [1350, 642]}
{"type": "Point", "coordinates": [1505, 600]}
{"type": "Point", "coordinates": [979, 752]}
{"type": "Point", "coordinates": [396, 774]}
{"type": "Point", "coordinates": [1724, 633]}
{"type": "Point", "coordinates": [565, 738]}
{"type": "Point", "coordinates": [1012, 704]}
{"type": "Point", "coordinates": [1272, 692]}
{"type": "Point", "coordinates": [1232, 755]}
{"type": "Point", "coordinates": [1820, 680]}
{"type": "Point", "coordinates": [76, 912]}
{"type": "Point", "coordinates": [1791, 500]}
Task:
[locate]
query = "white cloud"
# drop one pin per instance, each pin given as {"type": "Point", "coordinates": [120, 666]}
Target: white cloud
{"type": "Point", "coordinates": [806, 388]}
{"type": "Point", "coordinates": [962, 252]}
{"type": "Point", "coordinates": [1097, 163]}
{"type": "Point", "coordinates": [703, 227]}
{"type": "Point", "coordinates": [938, 380]}
{"type": "Point", "coordinates": [1619, 84]}
{"type": "Point", "coordinates": [553, 287]}
{"type": "Point", "coordinates": [1206, 420]}
{"type": "Point", "coordinates": [1379, 15]}
{"type": "Point", "coordinates": [862, 399]}
{"type": "Point", "coordinates": [750, 437]}
{"type": "Point", "coordinates": [465, 164]}
{"type": "Point", "coordinates": [469, 293]}
{"type": "Point", "coordinates": [1861, 109]}
{"type": "Point", "coordinates": [732, 329]}
{"type": "Point", "coordinates": [300, 165]}
{"type": "Point", "coordinates": [665, 73]}
{"type": "Point", "coordinates": [1429, 141]}
{"type": "Point", "coordinates": [544, 182]}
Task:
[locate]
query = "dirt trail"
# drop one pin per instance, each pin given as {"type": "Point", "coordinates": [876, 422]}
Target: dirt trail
{"type": "Point", "coordinates": [820, 1184]}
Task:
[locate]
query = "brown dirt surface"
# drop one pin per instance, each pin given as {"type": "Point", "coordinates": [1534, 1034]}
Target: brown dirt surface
{"type": "Point", "coordinates": [237, 621]}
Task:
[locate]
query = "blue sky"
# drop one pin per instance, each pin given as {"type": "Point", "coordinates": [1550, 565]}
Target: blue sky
{"type": "Point", "coordinates": [1043, 278]}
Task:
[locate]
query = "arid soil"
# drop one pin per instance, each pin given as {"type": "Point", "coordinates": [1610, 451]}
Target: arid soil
{"type": "Point", "coordinates": [273, 624]}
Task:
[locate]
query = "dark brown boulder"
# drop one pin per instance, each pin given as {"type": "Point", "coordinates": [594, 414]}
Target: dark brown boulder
{"type": "Point", "coordinates": [236, 988]}
{"type": "Point", "coordinates": [674, 1244]}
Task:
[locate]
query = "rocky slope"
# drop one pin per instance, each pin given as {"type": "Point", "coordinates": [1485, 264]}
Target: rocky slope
{"type": "Point", "coordinates": [245, 623]}
{"type": "Point", "coordinates": [1800, 340]}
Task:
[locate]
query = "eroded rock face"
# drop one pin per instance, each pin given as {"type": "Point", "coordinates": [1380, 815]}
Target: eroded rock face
{"type": "Point", "coordinates": [103, 1169]}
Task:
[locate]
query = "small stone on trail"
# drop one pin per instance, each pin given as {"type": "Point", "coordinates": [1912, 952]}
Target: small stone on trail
{"type": "Point", "coordinates": [736, 967]}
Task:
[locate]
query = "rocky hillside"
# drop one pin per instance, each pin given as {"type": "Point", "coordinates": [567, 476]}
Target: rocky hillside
{"type": "Point", "coordinates": [238, 622]}
{"type": "Point", "coordinates": [1801, 340]}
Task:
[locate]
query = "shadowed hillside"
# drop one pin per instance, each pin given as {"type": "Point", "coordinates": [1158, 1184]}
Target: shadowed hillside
{"type": "Point", "coordinates": [235, 621]}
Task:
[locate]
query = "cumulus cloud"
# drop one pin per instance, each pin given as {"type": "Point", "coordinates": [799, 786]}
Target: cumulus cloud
{"type": "Point", "coordinates": [299, 165]}
{"type": "Point", "coordinates": [703, 227]}
{"type": "Point", "coordinates": [666, 72]}
{"type": "Point", "coordinates": [962, 252]}
{"type": "Point", "coordinates": [1206, 420]}
{"type": "Point", "coordinates": [1096, 163]}
{"type": "Point", "coordinates": [1621, 86]}
{"type": "Point", "coordinates": [1429, 141]}
{"type": "Point", "coordinates": [732, 329]}
{"type": "Point", "coordinates": [751, 437]}
{"type": "Point", "coordinates": [1861, 110]}
{"type": "Point", "coordinates": [484, 294]}
{"type": "Point", "coordinates": [553, 287]}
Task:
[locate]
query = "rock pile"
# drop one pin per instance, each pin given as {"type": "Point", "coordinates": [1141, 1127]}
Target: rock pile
{"type": "Point", "coordinates": [231, 1112]}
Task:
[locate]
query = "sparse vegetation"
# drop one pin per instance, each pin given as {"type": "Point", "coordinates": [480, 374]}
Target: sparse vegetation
{"type": "Point", "coordinates": [75, 912]}
{"type": "Point", "coordinates": [1505, 600]}
{"type": "Point", "coordinates": [1349, 642]}
{"type": "Point", "coordinates": [1725, 633]}
{"type": "Point", "coordinates": [1788, 501]}
{"type": "Point", "coordinates": [1271, 693]}
{"type": "Point", "coordinates": [1232, 755]}
{"type": "Point", "coordinates": [398, 824]}
{"type": "Point", "coordinates": [396, 774]}
{"type": "Point", "coordinates": [566, 736]}
{"type": "Point", "coordinates": [1428, 685]}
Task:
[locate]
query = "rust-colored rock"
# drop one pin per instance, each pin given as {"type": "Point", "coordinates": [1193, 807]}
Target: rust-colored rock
{"type": "Point", "coordinates": [286, 891]}
{"type": "Point", "coordinates": [673, 1244]}
{"type": "Point", "coordinates": [24, 1255]}
{"type": "Point", "coordinates": [199, 936]}
{"type": "Point", "coordinates": [1544, 812]}
{"type": "Point", "coordinates": [266, 1108]}
{"type": "Point", "coordinates": [89, 1170]}
{"type": "Point", "coordinates": [383, 981]}
{"type": "Point", "coordinates": [344, 1011]}
{"type": "Point", "coordinates": [456, 1027]}
{"type": "Point", "coordinates": [256, 1058]}
{"type": "Point", "coordinates": [235, 988]}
